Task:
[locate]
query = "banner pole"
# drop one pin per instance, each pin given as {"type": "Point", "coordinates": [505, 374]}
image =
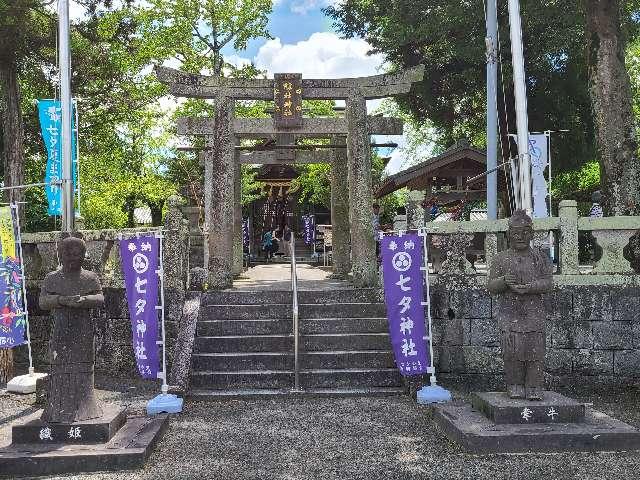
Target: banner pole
{"type": "Point", "coordinates": [14, 207]}
{"type": "Point", "coordinates": [425, 253]}
{"type": "Point", "coordinates": [165, 387]}
{"type": "Point", "coordinates": [23, 383]}
{"type": "Point", "coordinates": [432, 393]}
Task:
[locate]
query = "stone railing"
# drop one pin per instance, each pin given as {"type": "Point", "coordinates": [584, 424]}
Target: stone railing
{"type": "Point", "coordinates": [114, 354]}
{"type": "Point", "coordinates": [103, 254]}
{"type": "Point", "coordinates": [452, 241]}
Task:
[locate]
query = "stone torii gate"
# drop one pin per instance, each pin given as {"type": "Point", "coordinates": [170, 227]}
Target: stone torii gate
{"type": "Point", "coordinates": [288, 91]}
{"type": "Point", "coordinates": [286, 152]}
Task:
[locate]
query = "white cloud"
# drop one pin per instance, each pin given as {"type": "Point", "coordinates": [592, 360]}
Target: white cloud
{"type": "Point", "coordinates": [322, 55]}
{"type": "Point", "coordinates": [304, 6]}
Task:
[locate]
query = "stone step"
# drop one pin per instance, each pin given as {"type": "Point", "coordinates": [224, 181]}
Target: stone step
{"type": "Point", "coordinates": [349, 378]}
{"type": "Point", "coordinates": [244, 343]}
{"type": "Point", "coordinates": [343, 310]}
{"type": "Point", "coordinates": [235, 361]}
{"type": "Point", "coordinates": [263, 297]}
{"type": "Point", "coordinates": [367, 359]}
{"type": "Point", "coordinates": [343, 325]}
{"type": "Point", "coordinates": [247, 393]}
{"type": "Point", "coordinates": [281, 379]}
{"type": "Point", "coordinates": [284, 343]}
{"type": "Point", "coordinates": [221, 380]}
{"type": "Point", "coordinates": [273, 311]}
{"type": "Point", "coordinates": [230, 361]}
{"type": "Point", "coordinates": [345, 341]}
{"type": "Point", "coordinates": [285, 326]}
{"type": "Point", "coordinates": [280, 310]}
{"type": "Point", "coordinates": [244, 327]}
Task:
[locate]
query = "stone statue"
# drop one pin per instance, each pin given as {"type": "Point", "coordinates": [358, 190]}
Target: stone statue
{"type": "Point", "coordinates": [519, 276]}
{"type": "Point", "coordinates": [70, 292]}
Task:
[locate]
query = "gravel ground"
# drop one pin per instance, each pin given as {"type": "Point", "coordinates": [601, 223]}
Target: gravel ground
{"type": "Point", "coordinates": [351, 438]}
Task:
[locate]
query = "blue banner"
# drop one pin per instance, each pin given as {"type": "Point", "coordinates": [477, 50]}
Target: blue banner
{"type": "Point", "coordinates": [50, 114]}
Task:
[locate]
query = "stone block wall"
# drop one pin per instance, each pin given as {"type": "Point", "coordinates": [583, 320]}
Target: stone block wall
{"type": "Point", "coordinates": [593, 335]}
{"type": "Point", "coordinates": [114, 353]}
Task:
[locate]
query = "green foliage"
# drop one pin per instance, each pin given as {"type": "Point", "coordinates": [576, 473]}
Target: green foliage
{"type": "Point", "coordinates": [633, 65]}
{"type": "Point", "coordinates": [451, 44]}
{"type": "Point", "coordinates": [577, 185]}
{"type": "Point", "coordinates": [195, 31]}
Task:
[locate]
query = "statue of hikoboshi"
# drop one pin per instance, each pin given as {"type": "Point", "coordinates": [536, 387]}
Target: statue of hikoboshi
{"type": "Point", "coordinates": [520, 276]}
{"type": "Point", "coordinates": [70, 292]}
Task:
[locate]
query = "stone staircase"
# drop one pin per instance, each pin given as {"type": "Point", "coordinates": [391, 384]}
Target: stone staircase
{"type": "Point", "coordinates": [244, 345]}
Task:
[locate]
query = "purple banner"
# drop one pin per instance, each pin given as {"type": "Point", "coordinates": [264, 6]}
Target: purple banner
{"type": "Point", "coordinates": [308, 229]}
{"type": "Point", "coordinates": [403, 294]}
{"type": "Point", "coordinates": [140, 268]}
{"type": "Point", "coordinates": [246, 235]}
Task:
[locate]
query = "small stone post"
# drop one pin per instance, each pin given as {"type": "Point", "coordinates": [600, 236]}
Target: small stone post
{"type": "Point", "coordinates": [363, 248]}
{"type": "Point", "coordinates": [568, 241]}
{"type": "Point", "coordinates": [340, 210]}
{"type": "Point", "coordinates": [219, 179]}
{"type": "Point", "coordinates": [415, 211]}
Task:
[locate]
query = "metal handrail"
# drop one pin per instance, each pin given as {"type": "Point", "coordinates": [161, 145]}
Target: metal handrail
{"type": "Point", "coordinates": [296, 329]}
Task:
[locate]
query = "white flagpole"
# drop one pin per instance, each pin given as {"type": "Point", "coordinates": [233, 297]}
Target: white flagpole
{"type": "Point", "coordinates": [520, 91]}
{"type": "Point", "coordinates": [68, 218]}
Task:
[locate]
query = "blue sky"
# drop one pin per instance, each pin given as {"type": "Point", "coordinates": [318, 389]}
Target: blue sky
{"type": "Point", "coordinates": [292, 25]}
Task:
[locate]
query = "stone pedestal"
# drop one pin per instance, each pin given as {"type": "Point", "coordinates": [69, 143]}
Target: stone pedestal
{"type": "Point", "coordinates": [554, 408]}
{"type": "Point", "coordinates": [97, 430]}
{"type": "Point", "coordinates": [495, 423]}
{"type": "Point", "coordinates": [111, 442]}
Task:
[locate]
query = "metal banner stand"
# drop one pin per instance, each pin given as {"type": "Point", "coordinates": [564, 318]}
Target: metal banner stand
{"type": "Point", "coordinates": [23, 383]}
{"type": "Point", "coordinates": [165, 401]}
{"type": "Point", "coordinates": [433, 393]}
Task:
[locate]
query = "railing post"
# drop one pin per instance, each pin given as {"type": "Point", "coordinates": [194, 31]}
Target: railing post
{"type": "Point", "coordinates": [568, 241]}
{"type": "Point", "coordinates": [490, 248]}
{"type": "Point", "coordinates": [296, 326]}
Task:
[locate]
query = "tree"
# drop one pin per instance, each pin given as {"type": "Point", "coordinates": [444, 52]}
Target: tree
{"type": "Point", "coordinates": [195, 32]}
{"type": "Point", "coordinates": [25, 31]}
{"type": "Point", "coordinates": [610, 91]}
{"type": "Point", "coordinates": [452, 47]}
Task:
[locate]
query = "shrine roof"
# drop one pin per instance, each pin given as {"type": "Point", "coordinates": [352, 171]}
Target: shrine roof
{"type": "Point", "coordinates": [460, 159]}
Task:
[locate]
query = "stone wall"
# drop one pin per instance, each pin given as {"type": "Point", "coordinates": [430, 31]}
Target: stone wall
{"type": "Point", "coordinates": [593, 335]}
{"type": "Point", "coordinates": [114, 353]}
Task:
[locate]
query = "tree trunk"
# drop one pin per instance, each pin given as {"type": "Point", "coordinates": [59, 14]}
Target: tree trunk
{"type": "Point", "coordinates": [610, 92]}
{"type": "Point", "coordinates": [13, 140]}
{"type": "Point", "coordinates": [156, 212]}
{"type": "Point", "coordinates": [13, 131]}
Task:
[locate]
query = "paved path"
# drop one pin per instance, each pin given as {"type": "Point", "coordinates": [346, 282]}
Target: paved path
{"type": "Point", "coordinates": [341, 439]}
{"type": "Point", "coordinates": [277, 276]}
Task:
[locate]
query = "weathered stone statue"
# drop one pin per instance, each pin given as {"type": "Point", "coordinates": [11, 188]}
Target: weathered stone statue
{"type": "Point", "coordinates": [519, 276]}
{"type": "Point", "coordinates": [70, 292]}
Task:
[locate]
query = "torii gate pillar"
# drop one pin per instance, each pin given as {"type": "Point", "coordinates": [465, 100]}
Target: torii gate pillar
{"type": "Point", "coordinates": [363, 248]}
{"type": "Point", "coordinates": [219, 195]}
{"type": "Point", "coordinates": [340, 210]}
